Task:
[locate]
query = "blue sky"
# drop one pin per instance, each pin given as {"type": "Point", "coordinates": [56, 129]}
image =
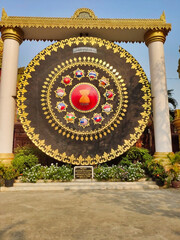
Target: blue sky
{"type": "Point", "coordinates": [107, 9]}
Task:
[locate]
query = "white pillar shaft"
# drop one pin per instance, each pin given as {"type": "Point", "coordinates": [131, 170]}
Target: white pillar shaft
{"type": "Point", "coordinates": [7, 92]}
{"type": "Point", "coordinates": [161, 119]}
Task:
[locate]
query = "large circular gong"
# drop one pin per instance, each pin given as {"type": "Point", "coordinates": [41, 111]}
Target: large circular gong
{"type": "Point", "coordinates": [84, 100]}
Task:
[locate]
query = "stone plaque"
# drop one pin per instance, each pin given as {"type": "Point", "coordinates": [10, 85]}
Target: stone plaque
{"type": "Point", "coordinates": [83, 172]}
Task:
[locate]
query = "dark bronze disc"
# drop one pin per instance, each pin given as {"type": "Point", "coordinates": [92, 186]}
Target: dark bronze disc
{"type": "Point", "coordinates": [84, 100]}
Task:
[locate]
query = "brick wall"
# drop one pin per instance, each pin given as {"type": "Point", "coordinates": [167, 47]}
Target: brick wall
{"type": "Point", "coordinates": [20, 137]}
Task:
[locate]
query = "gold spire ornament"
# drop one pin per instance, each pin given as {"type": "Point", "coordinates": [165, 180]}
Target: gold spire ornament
{"type": "Point", "coordinates": [163, 17]}
{"type": "Point", "coordinates": [4, 14]}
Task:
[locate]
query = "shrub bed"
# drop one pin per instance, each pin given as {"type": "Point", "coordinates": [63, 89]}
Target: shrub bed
{"type": "Point", "coordinates": [130, 173]}
{"type": "Point", "coordinates": [54, 172]}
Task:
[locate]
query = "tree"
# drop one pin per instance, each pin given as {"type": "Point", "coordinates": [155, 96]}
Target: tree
{"type": "Point", "coordinates": [172, 101]}
{"type": "Point", "coordinates": [178, 70]}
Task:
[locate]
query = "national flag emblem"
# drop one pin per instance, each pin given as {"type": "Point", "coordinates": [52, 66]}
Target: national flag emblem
{"type": "Point", "coordinates": [107, 108]}
{"type": "Point", "coordinates": [97, 118]}
{"type": "Point", "coordinates": [109, 94]}
{"type": "Point", "coordinates": [67, 80]}
{"type": "Point", "coordinates": [70, 117]}
{"type": "Point", "coordinates": [92, 74]}
{"type": "Point", "coordinates": [79, 73]}
{"type": "Point", "coordinates": [83, 122]}
{"type": "Point", "coordinates": [61, 106]}
{"type": "Point", "coordinates": [60, 92]}
{"type": "Point", "coordinates": [104, 82]}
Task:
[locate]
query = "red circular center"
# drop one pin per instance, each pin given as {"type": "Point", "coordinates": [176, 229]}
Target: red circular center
{"type": "Point", "coordinates": [84, 97]}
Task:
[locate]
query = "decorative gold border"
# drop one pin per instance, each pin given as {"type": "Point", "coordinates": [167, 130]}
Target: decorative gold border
{"type": "Point", "coordinates": [80, 160]}
{"type": "Point", "coordinates": [12, 33]}
{"type": "Point", "coordinates": [42, 23]}
{"type": "Point", "coordinates": [84, 10]}
{"type": "Point", "coordinates": [99, 97]}
{"type": "Point", "coordinates": [154, 36]}
{"type": "Point", "coordinates": [1, 52]}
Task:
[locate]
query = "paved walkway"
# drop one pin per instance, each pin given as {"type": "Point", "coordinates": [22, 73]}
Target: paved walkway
{"type": "Point", "coordinates": [90, 215]}
{"type": "Point", "coordinates": [80, 185]}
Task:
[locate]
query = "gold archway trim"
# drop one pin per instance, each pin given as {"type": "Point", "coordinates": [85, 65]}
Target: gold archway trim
{"type": "Point", "coordinates": [84, 13]}
{"type": "Point", "coordinates": [82, 22]}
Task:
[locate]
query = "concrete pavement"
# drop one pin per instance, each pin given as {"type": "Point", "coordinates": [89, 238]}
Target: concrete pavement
{"type": "Point", "coordinates": [90, 215]}
{"type": "Point", "coordinates": [79, 185]}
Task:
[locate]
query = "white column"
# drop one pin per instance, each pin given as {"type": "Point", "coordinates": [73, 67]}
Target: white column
{"type": "Point", "coordinates": [8, 91]}
{"type": "Point", "coordinates": [162, 132]}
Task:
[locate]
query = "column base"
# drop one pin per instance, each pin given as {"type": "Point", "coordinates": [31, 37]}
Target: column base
{"type": "Point", "coordinates": [161, 155]}
{"type": "Point", "coordinates": [6, 158]}
{"type": "Point", "coordinates": [162, 158]}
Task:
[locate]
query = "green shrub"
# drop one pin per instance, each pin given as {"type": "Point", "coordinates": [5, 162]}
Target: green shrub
{"type": "Point", "coordinates": [126, 161]}
{"type": "Point", "coordinates": [54, 172]}
{"type": "Point", "coordinates": [25, 150]}
{"type": "Point", "coordinates": [134, 155]}
{"type": "Point", "coordinates": [1, 170]}
{"type": "Point", "coordinates": [156, 171]}
{"type": "Point", "coordinates": [1, 175]}
{"type": "Point", "coordinates": [164, 174]}
{"type": "Point", "coordinates": [22, 161]}
{"type": "Point", "coordinates": [43, 159]}
{"type": "Point", "coordinates": [102, 173]}
{"type": "Point", "coordinates": [32, 174]}
{"type": "Point", "coordinates": [9, 172]}
{"type": "Point", "coordinates": [173, 169]}
{"type": "Point", "coordinates": [174, 157]}
{"type": "Point", "coordinates": [133, 172]}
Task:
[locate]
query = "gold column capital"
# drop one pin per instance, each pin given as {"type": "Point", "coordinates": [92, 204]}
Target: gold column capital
{"type": "Point", "coordinates": [176, 123]}
{"type": "Point", "coordinates": [154, 36]}
{"type": "Point", "coordinates": [177, 120]}
{"type": "Point", "coordinates": [1, 52]}
{"type": "Point", "coordinates": [12, 33]}
{"type": "Point", "coordinates": [177, 113]}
